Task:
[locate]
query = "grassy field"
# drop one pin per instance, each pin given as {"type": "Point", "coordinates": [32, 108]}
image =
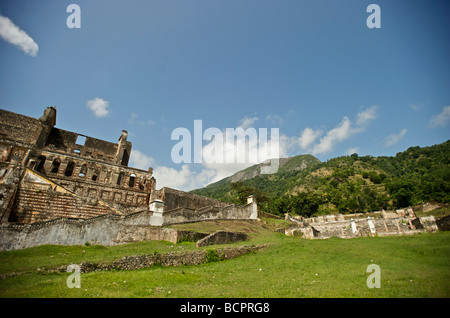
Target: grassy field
{"type": "Point", "coordinates": [411, 266]}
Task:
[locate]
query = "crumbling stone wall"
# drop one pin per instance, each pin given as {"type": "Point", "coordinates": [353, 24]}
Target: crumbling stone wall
{"type": "Point", "coordinates": [90, 168]}
{"type": "Point", "coordinates": [323, 227]}
{"type": "Point", "coordinates": [102, 230]}
{"type": "Point", "coordinates": [186, 215]}
{"type": "Point", "coordinates": [137, 233]}
{"type": "Point", "coordinates": [174, 199]}
{"type": "Point", "coordinates": [165, 259]}
{"type": "Point", "coordinates": [222, 237]}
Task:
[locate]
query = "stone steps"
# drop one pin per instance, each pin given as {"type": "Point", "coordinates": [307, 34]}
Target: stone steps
{"type": "Point", "coordinates": [36, 206]}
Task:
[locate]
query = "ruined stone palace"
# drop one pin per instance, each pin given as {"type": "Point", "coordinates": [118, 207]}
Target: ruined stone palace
{"type": "Point", "coordinates": [62, 187]}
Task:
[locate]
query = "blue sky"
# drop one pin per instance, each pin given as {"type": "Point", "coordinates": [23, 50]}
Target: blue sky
{"type": "Point", "coordinates": [313, 69]}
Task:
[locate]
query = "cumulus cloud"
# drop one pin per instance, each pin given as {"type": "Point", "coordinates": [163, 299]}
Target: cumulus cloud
{"type": "Point", "coordinates": [190, 176]}
{"type": "Point", "coordinates": [344, 130]}
{"type": "Point", "coordinates": [364, 117]}
{"type": "Point", "coordinates": [441, 119]}
{"type": "Point", "coordinates": [99, 107]}
{"type": "Point", "coordinates": [308, 137]}
{"type": "Point", "coordinates": [395, 138]}
{"type": "Point", "coordinates": [140, 160]}
{"type": "Point", "coordinates": [341, 132]}
{"type": "Point", "coordinates": [247, 122]}
{"type": "Point", "coordinates": [14, 35]}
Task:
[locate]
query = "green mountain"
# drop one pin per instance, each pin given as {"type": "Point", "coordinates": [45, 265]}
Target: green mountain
{"type": "Point", "coordinates": [297, 163]}
{"type": "Point", "coordinates": [304, 185]}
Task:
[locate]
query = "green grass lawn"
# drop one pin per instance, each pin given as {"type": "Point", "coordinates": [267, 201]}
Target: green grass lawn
{"type": "Point", "coordinates": [411, 266]}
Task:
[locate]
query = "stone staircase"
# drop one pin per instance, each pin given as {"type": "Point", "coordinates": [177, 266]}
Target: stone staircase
{"type": "Point", "coordinates": [43, 205]}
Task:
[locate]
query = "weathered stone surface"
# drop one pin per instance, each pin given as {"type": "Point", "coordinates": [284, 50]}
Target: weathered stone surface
{"type": "Point", "coordinates": [323, 226]}
{"type": "Point", "coordinates": [222, 237]}
{"type": "Point", "coordinates": [166, 259]}
{"type": "Point", "coordinates": [52, 159]}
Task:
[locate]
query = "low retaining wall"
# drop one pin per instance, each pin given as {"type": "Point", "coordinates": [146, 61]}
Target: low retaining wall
{"type": "Point", "coordinates": [187, 215]}
{"type": "Point", "coordinates": [167, 259]}
{"type": "Point", "coordinates": [102, 230]}
{"type": "Point", "coordinates": [363, 227]}
{"type": "Point", "coordinates": [222, 237]}
{"type": "Point", "coordinates": [137, 233]}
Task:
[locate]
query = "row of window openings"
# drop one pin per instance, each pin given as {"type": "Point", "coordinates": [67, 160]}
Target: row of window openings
{"type": "Point", "coordinates": [83, 171]}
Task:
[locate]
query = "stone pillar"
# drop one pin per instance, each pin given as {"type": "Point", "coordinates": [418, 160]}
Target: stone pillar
{"type": "Point", "coordinates": [371, 225]}
{"type": "Point", "coordinates": [353, 224]}
{"type": "Point", "coordinates": [252, 200]}
{"type": "Point", "coordinates": [157, 207]}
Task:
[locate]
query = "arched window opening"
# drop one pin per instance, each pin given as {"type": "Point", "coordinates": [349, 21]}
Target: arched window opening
{"type": "Point", "coordinates": [125, 158]}
{"type": "Point", "coordinates": [40, 164]}
{"type": "Point", "coordinates": [69, 169]}
{"type": "Point", "coordinates": [83, 171]}
{"type": "Point", "coordinates": [95, 175]}
{"type": "Point", "coordinates": [141, 183]}
{"type": "Point", "coordinates": [55, 166]}
{"type": "Point", "coordinates": [119, 179]}
{"type": "Point", "coordinates": [132, 180]}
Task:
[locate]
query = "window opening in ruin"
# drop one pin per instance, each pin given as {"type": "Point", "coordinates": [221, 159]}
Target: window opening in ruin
{"type": "Point", "coordinates": [31, 164]}
{"type": "Point", "coordinates": [69, 169]}
{"type": "Point", "coordinates": [125, 158]}
{"type": "Point", "coordinates": [40, 164]}
{"type": "Point", "coordinates": [132, 180]}
{"type": "Point", "coordinates": [95, 175]}
{"type": "Point", "coordinates": [141, 183]}
{"type": "Point", "coordinates": [80, 140]}
{"type": "Point", "coordinates": [83, 171]}
{"type": "Point", "coordinates": [55, 166]}
{"type": "Point", "coordinates": [119, 179]}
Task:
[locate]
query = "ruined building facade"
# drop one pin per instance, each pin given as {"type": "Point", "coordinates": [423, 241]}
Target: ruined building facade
{"type": "Point", "coordinates": [47, 172]}
{"type": "Point", "coordinates": [61, 187]}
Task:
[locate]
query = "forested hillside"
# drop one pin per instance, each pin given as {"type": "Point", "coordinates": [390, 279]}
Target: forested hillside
{"type": "Point", "coordinates": [345, 184]}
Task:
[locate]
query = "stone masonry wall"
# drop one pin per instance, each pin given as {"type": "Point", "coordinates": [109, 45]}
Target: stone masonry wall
{"type": "Point", "coordinates": [222, 237]}
{"type": "Point", "coordinates": [101, 230]}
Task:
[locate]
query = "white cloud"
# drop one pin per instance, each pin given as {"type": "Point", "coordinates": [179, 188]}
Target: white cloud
{"type": "Point", "coordinates": [188, 177]}
{"type": "Point", "coordinates": [364, 117]}
{"type": "Point", "coordinates": [99, 107]}
{"type": "Point", "coordinates": [12, 34]}
{"type": "Point", "coordinates": [344, 130]}
{"type": "Point", "coordinates": [308, 137]}
{"type": "Point", "coordinates": [275, 120]}
{"type": "Point", "coordinates": [335, 135]}
{"type": "Point", "coordinates": [395, 138]}
{"type": "Point", "coordinates": [247, 122]}
{"type": "Point", "coordinates": [140, 160]}
{"type": "Point", "coordinates": [172, 178]}
{"type": "Point", "coordinates": [441, 119]}
{"type": "Point", "coordinates": [351, 151]}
